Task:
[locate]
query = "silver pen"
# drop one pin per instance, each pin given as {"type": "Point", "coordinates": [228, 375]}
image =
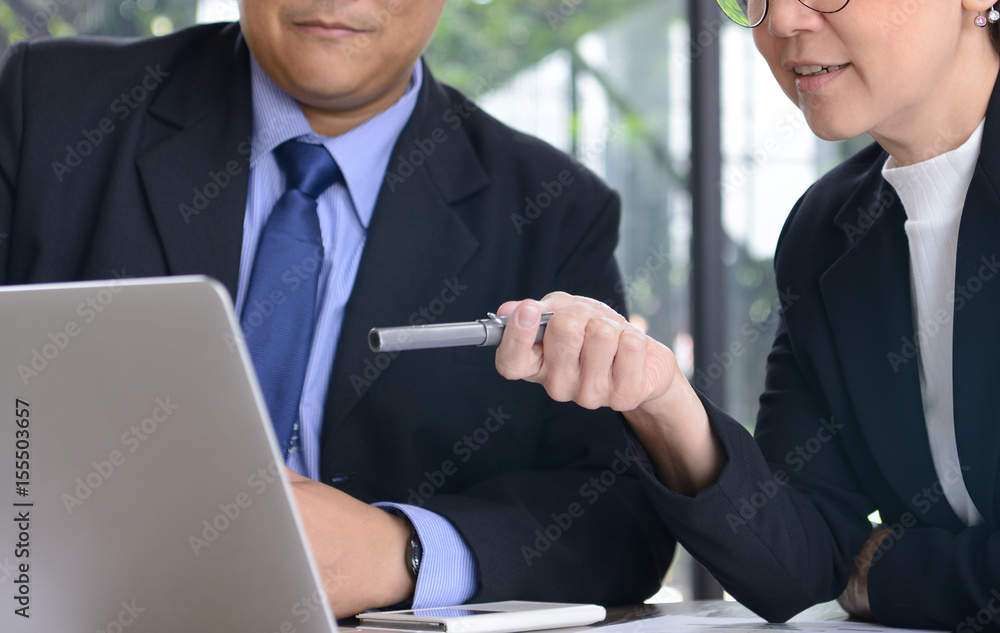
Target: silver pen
{"type": "Point", "coordinates": [483, 333]}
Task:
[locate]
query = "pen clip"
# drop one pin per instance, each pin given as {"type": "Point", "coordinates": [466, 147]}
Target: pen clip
{"type": "Point", "coordinates": [495, 325]}
{"type": "Point", "coordinates": [502, 320]}
{"type": "Point", "coordinates": [499, 320]}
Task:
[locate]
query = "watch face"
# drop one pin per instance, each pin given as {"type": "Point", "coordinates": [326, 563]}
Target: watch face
{"type": "Point", "coordinates": [416, 554]}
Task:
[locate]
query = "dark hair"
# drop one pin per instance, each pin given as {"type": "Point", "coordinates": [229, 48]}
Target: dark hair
{"type": "Point", "coordinates": [995, 35]}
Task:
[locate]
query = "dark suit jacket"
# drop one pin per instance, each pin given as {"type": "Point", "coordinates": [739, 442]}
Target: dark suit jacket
{"type": "Point", "coordinates": [162, 190]}
{"type": "Point", "coordinates": [841, 429]}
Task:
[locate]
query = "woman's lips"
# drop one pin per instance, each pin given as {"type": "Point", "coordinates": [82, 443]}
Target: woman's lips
{"type": "Point", "coordinates": [813, 77]}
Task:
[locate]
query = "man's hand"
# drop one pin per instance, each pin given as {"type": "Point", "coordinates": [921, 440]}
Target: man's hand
{"type": "Point", "coordinates": [359, 549]}
{"type": "Point", "coordinates": [854, 600]}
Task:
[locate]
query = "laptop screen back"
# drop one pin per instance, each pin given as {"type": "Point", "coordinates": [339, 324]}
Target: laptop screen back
{"type": "Point", "coordinates": [142, 489]}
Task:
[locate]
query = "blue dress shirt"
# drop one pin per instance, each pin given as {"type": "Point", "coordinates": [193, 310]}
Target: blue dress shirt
{"type": "Point", "coordinates": [448, 570]}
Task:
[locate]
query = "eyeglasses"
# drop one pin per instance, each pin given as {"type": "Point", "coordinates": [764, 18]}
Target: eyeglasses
{"type": "Point", "coordinates": [750, 13]}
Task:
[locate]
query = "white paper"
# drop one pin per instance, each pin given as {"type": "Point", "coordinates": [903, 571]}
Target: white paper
{"type": "Point", "coordinates": [695, 624]}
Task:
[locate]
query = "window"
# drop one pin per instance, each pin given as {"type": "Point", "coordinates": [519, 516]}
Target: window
{"type": "Point", "coordinates": [609, 82]}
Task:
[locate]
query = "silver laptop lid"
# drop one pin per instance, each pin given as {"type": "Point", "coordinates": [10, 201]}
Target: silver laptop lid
{"type": "Point", "coordinates": [140, 476]}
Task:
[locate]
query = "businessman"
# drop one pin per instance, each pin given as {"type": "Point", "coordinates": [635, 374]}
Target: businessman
{"type": "Point", "coordinates": [422, 477]}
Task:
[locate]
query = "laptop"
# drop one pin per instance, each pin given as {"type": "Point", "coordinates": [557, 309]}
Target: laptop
{"type": "Point", "coordinates": [140, 478]}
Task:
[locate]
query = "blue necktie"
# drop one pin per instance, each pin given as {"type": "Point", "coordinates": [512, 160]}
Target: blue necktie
{"type": "Point", "coordinates": [279, 315]}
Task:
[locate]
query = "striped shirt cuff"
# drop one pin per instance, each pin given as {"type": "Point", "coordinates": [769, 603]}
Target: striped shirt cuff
{"type": "Point", "coordinates": [448, 572]}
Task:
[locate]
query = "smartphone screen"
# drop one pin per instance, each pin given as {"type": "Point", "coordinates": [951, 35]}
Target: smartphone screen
{"type": "Point", "coordinates": [450, 612]}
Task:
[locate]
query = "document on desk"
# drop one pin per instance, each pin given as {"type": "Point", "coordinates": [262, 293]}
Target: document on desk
{"type": "Point", "coordinates": [701, 624]}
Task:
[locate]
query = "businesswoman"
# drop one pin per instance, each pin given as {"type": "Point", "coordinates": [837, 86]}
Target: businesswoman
{"type": "Point", "coordinates": [883, 384]}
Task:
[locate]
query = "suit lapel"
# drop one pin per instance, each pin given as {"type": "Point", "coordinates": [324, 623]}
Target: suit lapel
{"type": "Point", "coordinates": [195, 168]}
{"type": "Point", "coordinates": [868, 303]}
{"type": "Point", "coordinates": [977, 328]}
{"type": "Point", "coordinates": [416, 243]}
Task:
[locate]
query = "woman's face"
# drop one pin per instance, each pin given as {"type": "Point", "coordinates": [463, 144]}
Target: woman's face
{"type": "Point", "coordinates": [880, 66]}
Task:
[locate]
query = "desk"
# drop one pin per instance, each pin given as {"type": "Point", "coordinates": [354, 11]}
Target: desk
{"type": "Point", "coordinates": [705, 609]}
{"type": "Point", "coordinates": [712, 609]}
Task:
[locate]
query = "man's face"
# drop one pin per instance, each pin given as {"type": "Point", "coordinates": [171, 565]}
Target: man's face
{"type": "Point", "coordinates": [339, 54]}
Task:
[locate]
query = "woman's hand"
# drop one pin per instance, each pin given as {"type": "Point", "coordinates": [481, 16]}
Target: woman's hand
{"type": "Point", "coordinates": [593, 356]}
{"type": "Point", "coordinates": [854, 600]}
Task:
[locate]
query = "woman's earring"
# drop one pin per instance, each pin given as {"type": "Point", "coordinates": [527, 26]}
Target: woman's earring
{"type": "Point", "coordinates": [992, 17]}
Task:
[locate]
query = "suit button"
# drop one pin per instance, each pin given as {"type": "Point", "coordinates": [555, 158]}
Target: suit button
{"type": "Point", "coordinates": [342, 478]}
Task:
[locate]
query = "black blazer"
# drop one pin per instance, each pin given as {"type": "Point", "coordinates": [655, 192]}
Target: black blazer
{"type": "Point", "coordinates": [841, 429]}
{"type": "Point", "coordinates": [162, 190]}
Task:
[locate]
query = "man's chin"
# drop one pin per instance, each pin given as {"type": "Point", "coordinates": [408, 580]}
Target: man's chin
{"type": "Point", "coordinates": [332, 100]}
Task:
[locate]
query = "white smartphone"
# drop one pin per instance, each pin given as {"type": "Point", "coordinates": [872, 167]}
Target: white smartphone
{"type": "Point", "coordinates": [489, 617]}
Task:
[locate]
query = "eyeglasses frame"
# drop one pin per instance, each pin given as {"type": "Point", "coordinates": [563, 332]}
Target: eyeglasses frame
{"type": "Point", "coordinates": [767, 6]}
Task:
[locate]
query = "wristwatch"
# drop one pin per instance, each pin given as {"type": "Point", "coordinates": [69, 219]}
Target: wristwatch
{"type": "Point", "coordinates": [414, 554]}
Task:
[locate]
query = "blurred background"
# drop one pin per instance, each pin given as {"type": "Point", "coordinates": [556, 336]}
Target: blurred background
{"type": "Point", "coordinates": [609, 82]}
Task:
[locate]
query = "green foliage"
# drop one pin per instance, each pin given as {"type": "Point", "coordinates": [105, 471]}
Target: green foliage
{"type": "Point", "coordinates": [20, 19]}
{"type": "Point", "coordinates": [482, 43]}
{"type": "Point", "coordinates": [59, 27]}
{"type": "Point", "coordinates": [11, 29]}
{"type": "Point", "coordinates": [479, 45]}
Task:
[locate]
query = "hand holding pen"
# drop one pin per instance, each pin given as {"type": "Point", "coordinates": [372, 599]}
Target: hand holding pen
{"type": "Point", "coordinates": [482, 333]}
